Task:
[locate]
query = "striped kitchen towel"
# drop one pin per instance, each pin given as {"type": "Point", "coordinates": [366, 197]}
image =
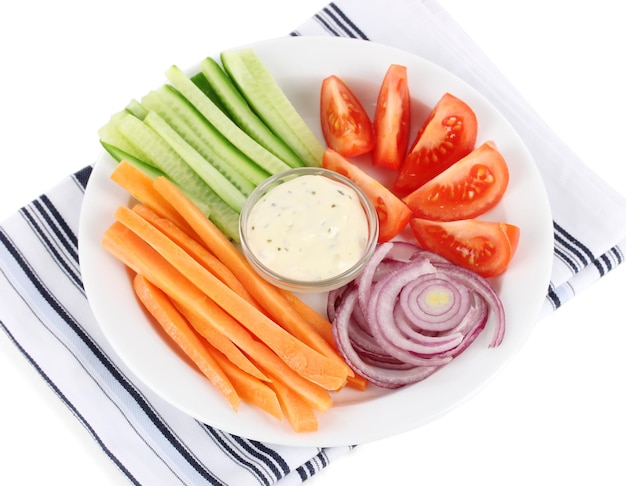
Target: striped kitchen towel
{"type": "Point", "coordinates": [44, 311]}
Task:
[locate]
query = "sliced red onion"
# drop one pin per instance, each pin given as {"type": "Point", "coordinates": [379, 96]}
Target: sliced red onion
{"type": "Point", "coordinates": [482, 287]}
{"type": "Point", "coordinates": [409, 313]}
{"type": "Point", "coordinates": [386, 376]}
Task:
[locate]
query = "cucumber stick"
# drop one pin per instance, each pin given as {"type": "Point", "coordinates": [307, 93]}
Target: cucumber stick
{"type": "Point", "coordinates": [175, 168]}
{"type": "Point", "coordinates": [224, 217]}
{"type": "Point", "coordinates": [239, 110]}
{"type": "Point", "coordinates": [209, 174]}
{"type": "Point", "coordinates": [110, 135]}
{"type": "Point", "coordinates": [134, 107]}
{"type": "Point", "coordinates": [160, 153]}
{"type": "Point", "coordinates": [270, 102]}
{"type": "Point", "coordinates": [194, 128]}
{"type": "Point", "coordinates": [215, 142]}
{"type": "Point", "coordinates": [118, 154]}
{"type": "Point", "coordinates": [223, 123]}
{"type": "Point", "coordinates": [201, 82]}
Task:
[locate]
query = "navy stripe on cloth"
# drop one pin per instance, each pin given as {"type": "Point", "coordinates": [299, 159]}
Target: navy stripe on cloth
{"type": "Point", "coordinates": [69, 405]}
{"type": "Point", "coordinates": [72, 325]}
{"type": "Point", "coordinates": [337, 23]}
{"type": "Point", "coordinates": [571, 251]}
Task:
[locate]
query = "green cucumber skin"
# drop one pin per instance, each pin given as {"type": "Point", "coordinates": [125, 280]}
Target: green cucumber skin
{"type": "Point", "coordinates": [293, 120]}
{"type": "Point", "coordinates": [270, 102]}
{"type": "Point", "coordinates": [201, 82]}
{"type": "Point", "coordinates": [236, 106]}
{"type": "Point", "coordinates": [224, 124]}
{"type": "Point", "coordinates": [109, 134]}
{"type": "Point", "coordinates": [220, 213]}
{"type": "Point", "coordinates": [194, 128]}
{"type": "Point", "coordinates": [163, 156]}
{"type": "Point", "coordinates": [209, 174]}
{"type": "Point", "coordinates": [118, 155]}
{"type": "Point", "coordinates": [134, 107]}
{"type": "Point", "coordinates": [175, 169]}
{"type": "Point", "coordinates": [206, 119]}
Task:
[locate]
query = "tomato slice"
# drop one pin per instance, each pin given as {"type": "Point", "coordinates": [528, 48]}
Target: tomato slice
{"type": "Point", "coordinates": [446, 136]}
{"type": "Point", "coordinates": [346, 126]}
{"type": "Point", "coordinates": [486, 247]}
{"type": "Point", "coordinates": [393, 214]}
{"type": "Point", "coordinates": [392, 119]}
{"type": "Point", "coordinates": [467, 189]}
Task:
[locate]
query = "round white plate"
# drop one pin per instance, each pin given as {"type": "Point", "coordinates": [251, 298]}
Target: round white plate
{"type": "Point", "coordinates": [299, 65]}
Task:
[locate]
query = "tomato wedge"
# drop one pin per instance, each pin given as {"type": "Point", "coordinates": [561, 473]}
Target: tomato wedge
{"type": "Point", "coordinates": [392, 119]}
{"type": "Point", "coordinates": [485, 247]}
{"type": "Point", "coordinates": [447, 135]}
{"type": "Point", "coordinates": [393, 214]}
{"type": "Point", "coordinates": [346, 127]}
{"type": "Point", "coordinates": [467, 189]}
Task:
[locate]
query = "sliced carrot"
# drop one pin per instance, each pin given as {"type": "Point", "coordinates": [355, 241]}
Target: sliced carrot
{"type": "Point", "coordinates": [311, 364]}
{"type": "Point", "coordinates": [323, 327]}
{"type": "Point", "coordinates": [264, 293]}
{"type": "Point", "coordinates": [299, 414]}
{"type": "Point", "coordinates": [319, 323]}
{"type": "Point", "coordinates": [140, 186]}
{"type": "Point", "coordinates": [221, 342]}
{"type": "Point", "coordinates": [160, 307]}
{"type": "Point", "coordinates": [136, 254]}
{"type": "Point", "coordinates": [357, 382]}
{"type": "Point", "coordinates": [274, 367]}
{"type": "Point", "coordinates": [195, 249]}
{"type": "Point", "coordinates": [250, 389]}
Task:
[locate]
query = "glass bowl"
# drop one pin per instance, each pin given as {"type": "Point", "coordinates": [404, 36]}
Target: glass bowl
{"type": "Point", "coordinates": [320, 231]}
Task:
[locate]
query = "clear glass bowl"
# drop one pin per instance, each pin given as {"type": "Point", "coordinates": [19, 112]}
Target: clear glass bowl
{"type": "Point", "coordinates": [308, 286]}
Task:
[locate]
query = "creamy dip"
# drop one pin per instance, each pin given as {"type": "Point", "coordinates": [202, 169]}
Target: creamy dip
{"type": "Point", "coordinates": [309, 228]}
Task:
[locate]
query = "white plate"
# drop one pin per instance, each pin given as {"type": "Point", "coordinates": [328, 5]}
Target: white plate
{"type": "Point", "coordinates": [299, 65]}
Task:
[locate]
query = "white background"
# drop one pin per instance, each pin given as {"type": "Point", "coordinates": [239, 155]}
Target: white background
{"type": "Point", "coordinates": [555, 415]}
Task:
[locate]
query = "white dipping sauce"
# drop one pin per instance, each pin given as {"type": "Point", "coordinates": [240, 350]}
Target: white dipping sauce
{"type": "Point", "coordinates": [309, 228]}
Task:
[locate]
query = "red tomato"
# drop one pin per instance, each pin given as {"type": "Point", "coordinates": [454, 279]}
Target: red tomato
{"type": "Point", "coordinates": [345, 125]}
{"type": "Point", "coordinates": [448, 134]}
{"type": "Point", "coordinates": [392, 119]}
{"type": "Point", "coordinates": [393, 214]}
{"type": "Point", "coordinates": [467, 189]}
{"type": "Point", "coordinates": [485, 247]}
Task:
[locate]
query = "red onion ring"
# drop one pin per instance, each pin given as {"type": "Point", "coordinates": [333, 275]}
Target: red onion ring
{"type": "Point", "coordinates": [409, 313]}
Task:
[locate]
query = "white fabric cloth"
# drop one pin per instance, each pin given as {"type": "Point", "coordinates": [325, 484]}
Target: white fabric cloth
{"type": "Point", "coordinates": [44, 311]}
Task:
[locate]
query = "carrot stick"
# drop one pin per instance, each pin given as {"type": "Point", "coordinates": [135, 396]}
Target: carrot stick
{"type": "Point", "coordinates": [159, 306]}
{"type": "Point", "coordinates": [264, 293]}
{"type": "Point", "coordinates": [308, 362]}
{"type": "Point", "coordinates": [205, 329]}
{"type": "Point", "coordinates": [140, 186]}
{"type": "Point", "coordinates": [274, 367]}
{"type": "Point", "coordinates": [136, 254]}
{"type": "Point", "coordinates": [195, 249]}
{"type": "Point", "coordinates": [324, 328]}
{"type": "Point", "coordinates": [299, 414]}
{"type": "Point", "coordinates": [250, 389]}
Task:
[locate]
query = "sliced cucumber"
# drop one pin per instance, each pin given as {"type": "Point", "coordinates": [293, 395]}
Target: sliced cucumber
{"type": "Point", "coordinates": [134, 107]}
{"type": "Point", "coordinates": [223, 123]}
{"type": "Point", "coordinates": [194, 128]}
{"type": "Point", "coordinates": [270, 102]}
{"type": "Point", "coordinates": [209, 174]}
{"type": "Point", "coordinates": [240, 112]}
{"type": "Point", "coordinates": [222, 215]}
{"type": "Point", "coordinates": [109, 134]}
{"type": "Point", "coordinates": [201, 82]}
{"type": "Point", "coordinates": [162, 155]}
{"type": "Point", "coordinates": [209, 139]}
{"type": "Point", "coordinates": [118, 154]}
{"type": "Point", "coordinates": [175, 169]}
